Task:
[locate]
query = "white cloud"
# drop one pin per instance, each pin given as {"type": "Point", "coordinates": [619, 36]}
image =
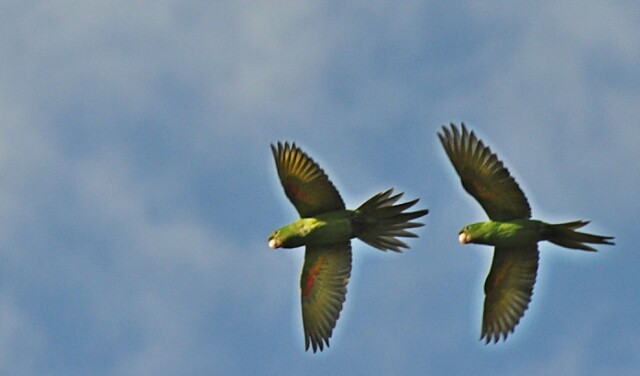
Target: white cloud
{"type": "Point", "coordinates": [112, 111]}
{"type": "Point", "coordinates": [547, 104]}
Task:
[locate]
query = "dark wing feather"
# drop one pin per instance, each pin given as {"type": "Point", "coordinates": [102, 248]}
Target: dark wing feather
{"type": "Point", "coordinates": [508, 290]}
{"type": "Point", "coordinates": [323, 286]}
{"type": "Point", "coordinates": [304, 182]}
{"type": "Point", "coordinates": [484, 176]}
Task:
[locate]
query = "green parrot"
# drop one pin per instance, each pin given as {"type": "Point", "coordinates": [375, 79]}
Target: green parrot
{"type": "Point", "coordinates": [326, 228]}
{"type": "Point", "coordinates": [515, 236]}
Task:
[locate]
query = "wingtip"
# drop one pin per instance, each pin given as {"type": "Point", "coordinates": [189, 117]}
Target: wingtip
{"type": "Point", "coordinates": [492, 338]}
{"type": "Point", "coordinates": [283, 145]}
{"type": "Point", "coordinates": [315, 346]}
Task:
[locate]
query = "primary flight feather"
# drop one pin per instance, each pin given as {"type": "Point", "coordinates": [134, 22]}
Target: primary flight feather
{"type": "Point", "coordinates": [509, 285]}
{"type": "Point", "coordinates": [326, 228]}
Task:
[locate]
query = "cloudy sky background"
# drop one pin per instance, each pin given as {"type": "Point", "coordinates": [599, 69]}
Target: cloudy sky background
{"type": "Point", "coordinates": [137, 187]}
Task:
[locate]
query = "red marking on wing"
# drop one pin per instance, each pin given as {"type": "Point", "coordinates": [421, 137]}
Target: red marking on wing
{"type": "Point", "coordinates": [311, 278]}
{"type": "Point", "coordinates": [498, 279]}
{"type": "Point", "coordinates": [481, 191]}
{"type": "Point", "coordinates": [293, 190]}
{"type": "Point", "coordinates": [501, 274]}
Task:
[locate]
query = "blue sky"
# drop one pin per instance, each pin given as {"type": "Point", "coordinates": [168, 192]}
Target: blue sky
{"type": "Point", "coordinates": [137, 186]}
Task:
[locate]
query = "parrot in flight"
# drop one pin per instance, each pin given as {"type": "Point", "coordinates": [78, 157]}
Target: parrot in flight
{"type": "Point", "coordinates": [510, 229]}
{"type": "Point", "coordinates": [326, 228]}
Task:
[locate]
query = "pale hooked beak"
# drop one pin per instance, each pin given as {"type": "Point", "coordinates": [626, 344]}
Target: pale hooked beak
{"type": "Point", "coordinates": [273, 243]}
{"type": "Point", "coordinates": [464, 238]}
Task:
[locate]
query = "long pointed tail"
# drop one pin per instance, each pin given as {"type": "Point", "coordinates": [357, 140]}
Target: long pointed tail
{"type": "Point", "coordinates": [379, 222]}
{"type": "Point", "coordinates": [564, 235]}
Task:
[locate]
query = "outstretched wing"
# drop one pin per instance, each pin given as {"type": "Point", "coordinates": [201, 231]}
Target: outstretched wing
{"type": "Point", "coordinates": [323, 285]}
{"type": "Point", "coordinates": [508, 290]}
{"type": "Point", "coordinates": [483, 175]}
{"type": "Point", "coordinates": [304, 182]}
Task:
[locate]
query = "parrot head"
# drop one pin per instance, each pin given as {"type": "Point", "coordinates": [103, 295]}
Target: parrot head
{"type": "Point", "coordinates": [478, 233]}
{"type": "Point", "coordinates": [463, 235]}
{"type": "Point", "coordinates": [274, 240]}
{"type": "Point", "coordinates": [286, 237]}
{"type": "Point", "coordinates": [473, 233]}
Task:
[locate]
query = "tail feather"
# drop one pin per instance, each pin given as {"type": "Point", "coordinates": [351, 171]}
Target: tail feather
{"type": "Point", "coordinates": [564, 235]}
{"type": "Point", "coordinates": [379, 222]}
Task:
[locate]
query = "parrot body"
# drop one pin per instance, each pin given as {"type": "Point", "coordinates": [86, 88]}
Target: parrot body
{"type": "Point", "coordinates": [527, 231]}
{"type": "Point", "coordinates": [502, 234]}
{"type": "Point", "coordinates": [326, 228]}
{"type": "Point", "coordinates": [515, 236]}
